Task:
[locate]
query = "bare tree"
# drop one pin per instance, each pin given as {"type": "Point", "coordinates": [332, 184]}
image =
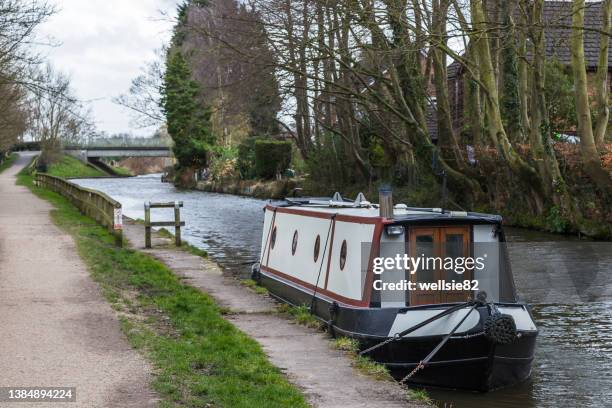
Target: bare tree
{"type": "Point", "coordinates": [144, 95]}
{"type": "Point", "coordinates": [18, 21]}
{"type": "Point", "coordinates": [56, 115]}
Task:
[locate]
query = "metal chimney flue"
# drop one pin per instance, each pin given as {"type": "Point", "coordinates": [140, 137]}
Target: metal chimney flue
{"type": "Point", "coordinates": [385, 199]}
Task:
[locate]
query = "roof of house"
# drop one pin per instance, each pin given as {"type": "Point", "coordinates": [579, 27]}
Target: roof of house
{"type": "Point", "coordinates": [558, 19]}
{"type": "Point", "coordinates": [453, 69]}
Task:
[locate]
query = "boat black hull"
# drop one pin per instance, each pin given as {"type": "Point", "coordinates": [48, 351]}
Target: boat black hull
{"type": "Point", "coordinates": [474, 363]}
{"type": "Point", "coordinates": [467, 361]}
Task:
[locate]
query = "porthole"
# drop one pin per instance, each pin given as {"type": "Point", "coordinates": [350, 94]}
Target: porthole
{"type": "Point", "coordinates": [273, 238]}
{"type": "Point", "coordinates": [294, 243]}
{"type": "Point", "coordinates": [317, 247]}
{"type": "Point", "coordinates": [343, 255]}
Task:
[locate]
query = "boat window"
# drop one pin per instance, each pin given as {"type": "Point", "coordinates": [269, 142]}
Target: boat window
{"type": "Point", "coordinates": [317, 247]}
{"type": "Point", "coordinates": [273, 238]}
{"type": "Point", "coordinates": [343, 255]}
{"type": "Point", "coordinates": [454, 244]}
{"type": "Point", "coordinates": [423, 245]}
{"type": "Point", "coordinates": [294, 243]}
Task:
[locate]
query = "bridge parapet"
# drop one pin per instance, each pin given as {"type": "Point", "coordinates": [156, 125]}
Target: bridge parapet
{"type": "Point", "coordinates": [120, 151]}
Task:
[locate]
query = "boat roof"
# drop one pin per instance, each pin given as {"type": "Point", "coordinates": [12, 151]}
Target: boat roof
{"type": "Point", "coordinates": [401, 212]}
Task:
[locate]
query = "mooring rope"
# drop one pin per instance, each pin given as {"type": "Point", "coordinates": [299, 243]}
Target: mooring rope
{"type": "Point", "coordinates": [314, 294]}
{"type": "Point", "coordinates": [423, 363]}
{"type": "Point", "coordinates": [401, 334]}
{"type": "Point", "coordinates": [266, 243]}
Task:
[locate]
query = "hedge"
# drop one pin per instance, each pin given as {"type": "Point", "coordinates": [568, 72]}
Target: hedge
{"type": "Point", "coordinates": [271, 157]}
{"type": "Point", "coordinates": [246, 158]}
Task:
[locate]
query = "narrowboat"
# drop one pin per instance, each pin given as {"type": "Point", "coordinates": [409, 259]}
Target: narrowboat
{"type": "Point", "coordinates": [356, 266]}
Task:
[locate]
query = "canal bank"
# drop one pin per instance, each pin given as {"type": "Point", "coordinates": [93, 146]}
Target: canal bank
{"type": "Point", "coordinates": [199, 356]}
{"type": "Point", "coordinates": [279, 189]}
{"type": "Point", "coordinates": [264, 189]}
{"type": "Point", "coordinates": [305, 355]}
{"type": "Point", "coordinates": [569, 282]}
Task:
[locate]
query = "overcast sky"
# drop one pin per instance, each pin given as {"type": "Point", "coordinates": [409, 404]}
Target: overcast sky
{"type": "Point", "coordinates": [103, 45]}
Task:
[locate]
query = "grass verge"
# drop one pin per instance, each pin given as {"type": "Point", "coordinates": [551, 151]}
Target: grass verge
{"type": "Point", "coordinates": [251, 284]}
{"type": "Point", "coordinates": [122, 171]}
{"type": "Point", "coordinates": [371, 368]}
{"type": "Point", "coordinates": [68, 166]}
{"type": "Point", "coordinates": [346, 344]}
{"type": "Point", "coordinates": [185, 246]}
{"type": "Point", "coordinates": [301, 315]}
{"type": "Point", "coordinates": [200, 359]}
{"type": "Point", "coordinates": [8, 162]}
{"type": "Point", "coordinates": [421, 396]}
{"type": "Point", "coordinates": [365, 365]}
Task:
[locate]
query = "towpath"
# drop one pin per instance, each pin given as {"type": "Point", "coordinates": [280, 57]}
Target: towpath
{"type": "Point", "coordinates": [56, 330]}
{"type": "Point", "coordinates": [324, 374]}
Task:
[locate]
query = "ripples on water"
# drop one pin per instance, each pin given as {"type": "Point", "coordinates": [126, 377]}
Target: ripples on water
{"type": "Point", "coordinates": [568, 281]}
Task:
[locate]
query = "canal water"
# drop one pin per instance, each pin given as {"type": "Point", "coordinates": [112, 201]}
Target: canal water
{"type": "Point", "coordinates": [568, 282]}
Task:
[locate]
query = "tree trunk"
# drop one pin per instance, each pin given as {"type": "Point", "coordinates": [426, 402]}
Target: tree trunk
{"type": "Point", "coordinates": [590, 156]}
{"type": "Point", "coordinates": [509, 73]}
{"type": "Point", "coordinates": [540, 132]}
{"type": "Point", "coordinates": [601, 80]}
{"type": "Point", "coordinates": [496, 130]}
{"type": "Point", "coordinates": [406, 61]}
{"type": "Point", "coordinates": [523, 67]}
{"type": "Point", "coordinates": [472, 99]}
{"type": "Point", "coordinates": [296, 54]}
{"type": "Point", "coordinates": [447, 139]}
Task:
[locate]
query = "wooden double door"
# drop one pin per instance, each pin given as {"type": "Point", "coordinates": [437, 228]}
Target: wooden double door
{"type": "Point", "coordinates": [438, 243]}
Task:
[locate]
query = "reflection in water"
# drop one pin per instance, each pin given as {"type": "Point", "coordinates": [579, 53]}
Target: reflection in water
{"type": "Point", "coordinates": [568, 281]}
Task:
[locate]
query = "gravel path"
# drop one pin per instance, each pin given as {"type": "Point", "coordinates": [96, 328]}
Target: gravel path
{"type": "Point", "coordinates": [56, 330]}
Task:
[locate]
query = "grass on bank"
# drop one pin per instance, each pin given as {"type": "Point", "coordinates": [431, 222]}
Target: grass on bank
{"type": "Point", "coordinates": [122, 171]}
{"type": "Point", "coordinates": [251, 284]}
{"type": "Point", "coordinates": [364, 364]}
{"type": "Point", "coordinates": [185, 246]}
{"type": "Point", "coordinates": [200, 359]}
{"type": "Point", "coordinates": [301, 315]}
{"type": "Point", "coordinates": [420, 395]}
{"type": "Point", "coordinates": [68, 167]}
{"type": "Point", "coordinates": [8, 162]}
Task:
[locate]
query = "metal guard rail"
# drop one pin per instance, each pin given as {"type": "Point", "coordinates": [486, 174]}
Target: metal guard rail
{"type": "Point", "coordinates": [92, 203]}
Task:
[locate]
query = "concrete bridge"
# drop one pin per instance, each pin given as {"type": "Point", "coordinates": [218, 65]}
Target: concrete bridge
{"type": "Point", "coordinates": [88, 153]}
{"type": "Point", "coordinates": [95, 155]}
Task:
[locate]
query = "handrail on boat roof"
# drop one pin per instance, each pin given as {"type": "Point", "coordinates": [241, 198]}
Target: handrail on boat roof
{"type": "Point", "coordinates": [436, 213]}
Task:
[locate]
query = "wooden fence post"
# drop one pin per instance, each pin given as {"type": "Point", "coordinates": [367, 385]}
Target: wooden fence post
{"type": "Point", "coordinates": [177, 224]}
{"type": "Point", "coordinates": [117, 223]}
{"type": "Point", "coordinates": [147, 225]}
